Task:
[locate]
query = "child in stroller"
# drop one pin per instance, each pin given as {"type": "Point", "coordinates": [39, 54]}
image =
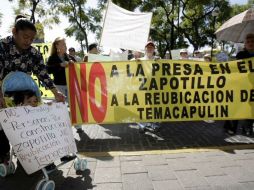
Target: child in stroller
{"type": "Point", "coordinates": [19, 89]}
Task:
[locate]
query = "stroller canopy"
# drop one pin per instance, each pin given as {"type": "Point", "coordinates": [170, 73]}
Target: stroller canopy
{"type": "Point", "coordinates": [19, 81]}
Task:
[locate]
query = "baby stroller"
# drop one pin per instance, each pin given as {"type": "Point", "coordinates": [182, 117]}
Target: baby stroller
{"type": "Point", "coordinates": [19, 81]}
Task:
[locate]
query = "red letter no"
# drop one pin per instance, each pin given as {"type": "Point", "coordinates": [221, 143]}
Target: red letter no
{"type": "Point", "coordinates": [98, 111]}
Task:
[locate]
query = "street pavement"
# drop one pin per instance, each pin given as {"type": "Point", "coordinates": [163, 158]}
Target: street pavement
{"type": "Point", "coordinates": [182, 155]}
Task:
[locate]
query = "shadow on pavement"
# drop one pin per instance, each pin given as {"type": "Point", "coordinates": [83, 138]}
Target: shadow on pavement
{"type": "Point", "coordinates": [82, 182]}
{"type": "Point", "coordinates": [21, 181]}
{"type": "Point", "coordinates": [172, 135]}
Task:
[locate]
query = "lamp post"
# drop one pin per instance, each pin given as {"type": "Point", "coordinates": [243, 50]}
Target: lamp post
{"type": "Point", "coordinates": [215, 13]}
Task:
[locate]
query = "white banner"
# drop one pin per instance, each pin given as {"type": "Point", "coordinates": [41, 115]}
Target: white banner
{"type": "Point", "coordinates": [125, 29]}
{"type": "Point", "coordinates": [98, 57]}
{"type": "Point", "coordinates": [39, 135]}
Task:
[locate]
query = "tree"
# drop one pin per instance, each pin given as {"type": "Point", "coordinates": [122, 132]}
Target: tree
{"type": "Point", "coordinates": [198, 25]}
{"type": "Point", "coordinates": [82, 19]}
{"type": "Point", "coordinates": [130, 5]}
{"type": "Point", "coordinates": [235, 9]}
{"type": "Point", "coordinates": [164, 14]}
{"type": "Point", "coordinates": [165, 24]}
{"type": "Point", "coordinates": [38, 9]}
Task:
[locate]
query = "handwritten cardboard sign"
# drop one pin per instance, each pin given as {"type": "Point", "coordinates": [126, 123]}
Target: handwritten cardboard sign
{"type": "Point", "coordinates": [39, 135]}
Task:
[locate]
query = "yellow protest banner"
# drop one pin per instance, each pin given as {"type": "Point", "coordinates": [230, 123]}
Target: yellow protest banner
{"type": "Point", "coordinates": [44, 49]}
{"type": "Point", "coordinates": [163, 90]}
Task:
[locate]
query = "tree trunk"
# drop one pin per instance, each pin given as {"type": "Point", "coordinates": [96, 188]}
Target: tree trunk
{"type": "Point", "coordinates": [35, 3]}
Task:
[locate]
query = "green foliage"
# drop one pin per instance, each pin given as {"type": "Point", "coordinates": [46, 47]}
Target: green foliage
{"type": "Point", "coordinates": [40, 32]}
{"type": "Point", "coordinates": [236, 9]}
{"type": "Point", "coordinates": [38, 10]}
{"type": "Point", "coordinates": [82, 19]}
{"type": "Point", "coordinates": [198, 24]}
{"type": "Point", "coordinates": [130, 5]}
{"type": "Point", "coordinates": [175, 23]}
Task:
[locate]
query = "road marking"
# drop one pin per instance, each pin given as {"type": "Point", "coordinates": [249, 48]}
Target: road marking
{"type": "Point", "coordinates": [176, 151]}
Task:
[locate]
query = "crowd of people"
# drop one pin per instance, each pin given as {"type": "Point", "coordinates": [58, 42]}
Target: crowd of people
{"type": "Point", "coordinates": [17, 54]}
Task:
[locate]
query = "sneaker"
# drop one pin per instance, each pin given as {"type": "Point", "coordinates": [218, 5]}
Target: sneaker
{"type": "Point", "coordinates": [68, 158]}
{"type": "Point", "coordinates": [50, 167]}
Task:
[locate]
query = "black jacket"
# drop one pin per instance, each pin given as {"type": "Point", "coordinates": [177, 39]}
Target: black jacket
{"type": "Point", "coordinates": [54, 67]}
{"type": "Point", "coordinates": [244, 55]}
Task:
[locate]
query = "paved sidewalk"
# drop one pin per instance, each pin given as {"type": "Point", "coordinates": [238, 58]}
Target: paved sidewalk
{"type": "Point", "coordinates": [183, 155]}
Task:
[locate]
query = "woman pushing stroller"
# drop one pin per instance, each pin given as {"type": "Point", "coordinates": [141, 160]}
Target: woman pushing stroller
{"type": "Point", "coordinates": [17, 54]}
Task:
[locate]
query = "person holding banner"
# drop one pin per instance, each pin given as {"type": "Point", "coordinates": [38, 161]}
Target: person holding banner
{"type": "Point", "coordinates": [149, 55]}
{"type": "Point", "coordinates": [92, 49]}
{"type": "Point", "coordinates": [150, 52]}
{"type": "Point", "coordinates": [57, 62]}
{"type": "Point", "coordinates": [231, 125]}
{"type": "Point", "coordinates": [72, 52]}
{"type": "Point", "coordinates": [17, 54]}
{"type": "Point", "coordinates": [197, 54]}
{"type": "Point", "coordinates": [184, 54]}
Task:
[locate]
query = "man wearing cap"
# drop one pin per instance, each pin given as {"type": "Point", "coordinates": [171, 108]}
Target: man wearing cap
{"type": "Point", "coordinates": [149, 55]}
{"type": "Point", "coordinates": [184, 54]}
{"type": "Point", "coordinates": [149, 51]}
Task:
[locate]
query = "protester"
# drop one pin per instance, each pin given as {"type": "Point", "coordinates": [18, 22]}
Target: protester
{"type": "Point", "coordinates": [57, 62]}
{"type": "Point", "coordinates": [149, 52]}
{"type": "Point", "coordinates": [184, 54]}
{"type": "Point", "coordinates": [149, 55]}
{"type": "Point", "coordinates": [231, 125]}
{"type": "Point", "coordinates": [72, 52]}
{"type": "Point", "coordinates": [92, 49]}
{"type": "Point", "coordinates": [25, 98]}
{"type": "Point", "coordinates": [197, 54]}
{"type": "Point", "coordinates": [207, 58]}
{"type": "Point", "coordinates": [17, 54]}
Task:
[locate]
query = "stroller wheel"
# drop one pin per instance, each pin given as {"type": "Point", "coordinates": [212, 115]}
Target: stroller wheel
{"type": "Point", "coordinates": [49, 185]}
{"type": "Point", "coordinates": [83, 164]}
{"type": "Point", "coordinates": [77, 164]}
{"type": "Point", "coordinates": [3, 170]}
{"type": "Point", "coordinates": [80, 164]}
{"type": "Point", "coordinates": [11, 168]}
{"type": "Point", "coordinates": [40, 184]}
